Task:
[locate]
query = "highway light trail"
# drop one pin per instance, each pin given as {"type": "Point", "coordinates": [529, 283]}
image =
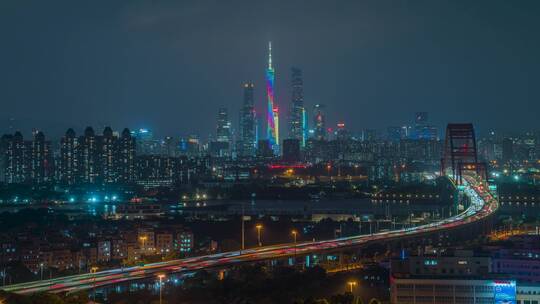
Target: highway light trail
{"type": "Point", "coordinates": [482, 204]}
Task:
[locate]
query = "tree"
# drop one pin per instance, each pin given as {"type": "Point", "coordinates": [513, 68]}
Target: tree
{"type": "Point", "coordinates": [346, 298]}
{"type": "Point", "coordinates": [45, 298]}
{"type": "Point", "coordinates": [77, 298]}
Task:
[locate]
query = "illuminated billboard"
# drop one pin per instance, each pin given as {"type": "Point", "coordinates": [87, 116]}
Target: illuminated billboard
{"type": "Point", "coordinates": [505, 292]}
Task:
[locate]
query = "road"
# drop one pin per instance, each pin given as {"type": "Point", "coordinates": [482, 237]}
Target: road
{"type": "Point", "coordinates": [482, 205]}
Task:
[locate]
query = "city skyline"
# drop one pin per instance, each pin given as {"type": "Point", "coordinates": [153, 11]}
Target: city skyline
{"type": "Point", "coordinates": [298, 151]}
{"type": "Point", "coordinates": [382, 64]}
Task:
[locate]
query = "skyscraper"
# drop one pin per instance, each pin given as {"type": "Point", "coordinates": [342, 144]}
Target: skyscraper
{"type": "Point", "coordinates": [223, 129]}
{"type": "Point", "coordinates": [125, 163]}
{"type": "Point", "coordinates": [296, 114]}
{"type": "Point", "coordinates": [341, 133]}
{"type": "Point", "coordinates": [69, 169]}
{"type": "Point", "coordinates": [248, 140]}
{"type": "Point", "coordinates": [40, 159]}
{"type": "Point", "coordinates": [291, 150]}
{"type": "Point", "coordinates": [369, 135]}
{"type": "Point", "coordinates": [272, 129]}
{"type": "Point", "coordinates": [319, 122]}
{"type": "Point", "coordinates": [171, 146]}
{"type": "Point", "coordinates": [107, 156]}
{"type": "Point", "coordinates": [189, 146]}
{"type": "Point", "coordinates": [221, 147]}
{"type": "Point", "coordinates": [406, 132]}
{"type": "Point", "coordinates": [421, 128]}
{"type": "Point", "coordinates": [146, 144]}
{"type": "Point", "coordinates": [305, 127]}
{"type": "Point", "coordinates": [88, 156]}
{"type": "Point", "coordinates": [4, 143]}
{"type": "Point", "coordinates": [16, 165]}
{"type": "Point", "coordinates": [263, 149]}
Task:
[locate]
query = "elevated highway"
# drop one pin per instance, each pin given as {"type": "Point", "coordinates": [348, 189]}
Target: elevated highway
{"type": "Point", "coordinates": [482, 205]}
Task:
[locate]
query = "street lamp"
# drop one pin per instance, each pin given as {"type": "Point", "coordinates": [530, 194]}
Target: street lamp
{"type": "Point", "coordinates": [243, 228]}
{"type": "Point", "coordinates": [41, 270]}
{"type": "Point", "coordinates": [259, 228]}
{"type": "Point", "coordinates": [351, 285]}
{"type": "Point", "coordinates": [143, 241]}
{"type": "Point", "coordinates": [93, 270]}
{"type": "Point", "coordinates": [160, 277]}
{"type": "Point", "coordinates": [294, 234]}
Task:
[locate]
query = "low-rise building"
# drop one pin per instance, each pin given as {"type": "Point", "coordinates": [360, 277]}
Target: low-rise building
{"type": "Point", "coordinates": [104, 251]}
{"type": "Point", "coordinates": [185, 242]}
{"type": "Point", "coordinates": [164, 242]}
{"type": "Point", "coordinates": [521, 264]}
{"type": "Point", "coordinates": [147, 242]}
{"type": "Point", "coordinates": [460, 278]}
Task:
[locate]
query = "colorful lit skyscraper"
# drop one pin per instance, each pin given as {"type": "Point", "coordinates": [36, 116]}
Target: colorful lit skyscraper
{"type": "Point", "coordinates": [305, 129]}
{"type": "Point", "coordinates": [272, 119]}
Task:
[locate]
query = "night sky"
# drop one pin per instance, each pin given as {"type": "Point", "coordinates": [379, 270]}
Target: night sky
{"type": "Point", "coordinates": [168, 66]}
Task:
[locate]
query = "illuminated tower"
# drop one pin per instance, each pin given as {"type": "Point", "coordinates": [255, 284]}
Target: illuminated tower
{"type": "Point", "coordinates": [272, 119]}
{"type": "Point", "coordinates": [304, 127]}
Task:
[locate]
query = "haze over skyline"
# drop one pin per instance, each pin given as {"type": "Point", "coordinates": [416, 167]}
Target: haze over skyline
{"type": "Point", "coordinates": [169, 65]}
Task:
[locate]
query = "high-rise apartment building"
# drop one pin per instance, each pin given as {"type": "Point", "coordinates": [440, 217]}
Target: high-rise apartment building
{"type": "Point", "coordinates": [88, 157]}
{"type": "Point", "coordinates": [248, 140]}
{"type": "Point", "coordinates": [41, 163]}
{"type": "Point", "coordinates": [69, 165]}
{"type": "Point", "coordinates": [125, 163]}
{"type": "Point", "coordinates": [26, 161]}
{"type": "Point", "coordinates": [4, 142]}
{"type": "Point", "coordinates": [16, 159]}
{"type": "Point", "coordinates": [107, 148]}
